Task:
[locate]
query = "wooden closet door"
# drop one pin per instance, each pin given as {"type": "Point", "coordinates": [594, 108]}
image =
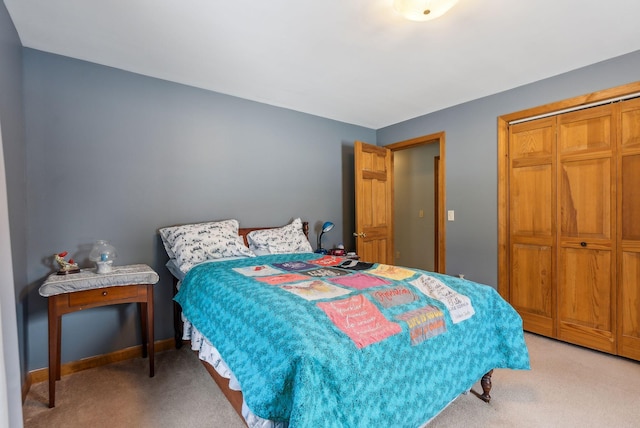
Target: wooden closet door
{"type": "Point", "coordinates": [532, 207]}
{"type": "Point", "coordinates": [587, 234]}
{"type": "Point", "coordinates": [629, 230]}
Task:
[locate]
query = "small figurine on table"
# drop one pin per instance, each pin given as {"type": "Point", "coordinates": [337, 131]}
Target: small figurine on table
{"type": "Point", "coordinates": [66, 267]}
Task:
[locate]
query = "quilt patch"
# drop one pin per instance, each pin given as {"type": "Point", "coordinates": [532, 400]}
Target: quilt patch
{"type": "Point", "coordinates": [262, 270]}
{"type": "Point", "coordinates": [359, 319]}
{"type": "Point", "coordinates": [281, 279]}
{"type": "Point", "coordinates": [424, 323]}
{"type": "Point", "coordinates": [360, 281]}
{"type": "Point", "coordinates": [314, 290]}
{"type": "Point", "coordinates": [355, 265]}
{"type": "Point", "coordinates": [295, 266]}
{"type": "Point", "coordinates": [458, 305]}
{"type": "Point", "coordinates": [392, 272]}
{"type": "Point", "coordinates": [390, 297]}
{"type": "Point", "coordinates": [325, 272]}
{"type": "Point", "coordinates": [328, 261]}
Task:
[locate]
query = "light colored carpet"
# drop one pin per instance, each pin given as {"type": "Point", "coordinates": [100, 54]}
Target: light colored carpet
{"type": "Point", "coordinates": [567, 387]}
{"type": "Point", "coordinates": [181, 394]}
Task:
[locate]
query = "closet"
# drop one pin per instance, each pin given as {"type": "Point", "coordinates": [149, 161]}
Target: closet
{"type": "Point", "coordinates": [570, 225]}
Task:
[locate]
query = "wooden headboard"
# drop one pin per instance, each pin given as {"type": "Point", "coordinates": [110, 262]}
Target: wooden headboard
{"type": "Point", "coordinates": [244, 231]}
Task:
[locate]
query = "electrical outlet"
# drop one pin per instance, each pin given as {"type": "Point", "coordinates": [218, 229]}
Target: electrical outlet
{"type": "Point", "coordinates": [450, 215]}
{"type": "Point", "coordinates": [421, 213]}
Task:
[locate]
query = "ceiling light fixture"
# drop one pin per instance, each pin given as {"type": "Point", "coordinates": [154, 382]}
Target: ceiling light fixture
{"type": "Point", "coordinates": [423, 10]}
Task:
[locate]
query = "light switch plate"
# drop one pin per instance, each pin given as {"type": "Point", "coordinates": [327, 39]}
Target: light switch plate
{"type": "Point", "coordinates": [450, 215]}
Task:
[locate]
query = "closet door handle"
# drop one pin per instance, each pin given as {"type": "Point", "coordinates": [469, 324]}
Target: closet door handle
{"type": "Point", "coordinates": [583, 244]}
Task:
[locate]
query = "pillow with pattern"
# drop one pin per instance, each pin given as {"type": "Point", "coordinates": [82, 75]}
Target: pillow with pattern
{"type": "Point", "coordinates": [196, 243]}
{"type": "Point", "coordinates": [281, 240]}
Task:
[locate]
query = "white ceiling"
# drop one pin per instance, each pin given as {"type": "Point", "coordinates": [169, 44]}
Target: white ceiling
{"type": "Point", "coordinates": [355, 61]}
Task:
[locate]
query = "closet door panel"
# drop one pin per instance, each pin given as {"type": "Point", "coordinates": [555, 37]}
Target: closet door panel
{"type": "Point", "coordinates": [629, 339]}
{"type": "Point", "coordinates": [585, 199]}
{"type": "Point", "coordinates": [533, 300]}
{"type": "Point", "coordinates": [585, 131]}
{"type": "Point", "coordinates": [584, 300]}
{"type": "Point", "coordinates": [532, 202]}
{"type": "Point", "coordinates": [530, 212]}
{"type": "Point", "coordinates": [629, 233]}
{"type": "Point", "coordinates": [630, 194]}
{"type": "Point", "coordinates": [586, 262]}
{"type": "Point", "coordinates": [630, 125]}
{"type": "Point", "coordinates": [630, 176]}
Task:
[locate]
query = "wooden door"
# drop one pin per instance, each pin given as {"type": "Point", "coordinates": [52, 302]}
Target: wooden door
{"type": "Point", "coordinates": [374, 203]}
{"type": "Point", "coordinates": [629, 230]}
{"type": "Point", "coordinates": [586, 177]}
{"type": "Point", "coordinates": [532, 207]}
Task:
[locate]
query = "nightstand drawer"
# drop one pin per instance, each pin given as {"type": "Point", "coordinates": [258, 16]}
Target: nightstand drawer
{"type": "Point", "coordinates": [102, 294]}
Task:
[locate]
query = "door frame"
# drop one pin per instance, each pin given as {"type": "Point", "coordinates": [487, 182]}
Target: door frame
{"type": "Point", "coordinates": [440, 226]}
{"type": "Point", "coordinates": [585, 101]}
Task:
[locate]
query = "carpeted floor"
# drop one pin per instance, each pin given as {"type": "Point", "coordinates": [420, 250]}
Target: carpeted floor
{"type": "Point", "coordinates": [567, 387]}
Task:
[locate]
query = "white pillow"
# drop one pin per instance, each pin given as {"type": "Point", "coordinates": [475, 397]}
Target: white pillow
{"type": "Point", "coordinates": [173, 267]}
{"type": "Point", "coordinates": [286, 239]}
{"type": "Point", "coordinates": [195, 243]}
{"type": "Point", "coordinates": [170, 234]}
{"type": "Point", "coordinates": [261, 251]}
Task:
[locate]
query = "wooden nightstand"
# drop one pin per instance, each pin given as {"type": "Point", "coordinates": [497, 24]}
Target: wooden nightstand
{"type": "Point", "coordinates": [87, 289]}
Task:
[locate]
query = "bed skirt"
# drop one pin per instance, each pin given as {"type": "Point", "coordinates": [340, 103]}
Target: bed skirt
{"type": "Point", "coordinates": [209, 354]}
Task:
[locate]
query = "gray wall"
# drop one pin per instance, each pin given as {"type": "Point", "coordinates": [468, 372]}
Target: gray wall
{"type": "Point", "coordinates": [114, 155]}
{"type": "Point", "coordinates": [471, 158]}
{"type": "Point", "coordinates": [12, 215]}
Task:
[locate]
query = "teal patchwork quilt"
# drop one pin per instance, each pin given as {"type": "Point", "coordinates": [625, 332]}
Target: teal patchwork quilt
{"type": "Point", "coordinates": [322, 341]}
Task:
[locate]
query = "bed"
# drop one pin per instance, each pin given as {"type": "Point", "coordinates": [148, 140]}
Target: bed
{"type": "Point", "coordinates": [299, 339]}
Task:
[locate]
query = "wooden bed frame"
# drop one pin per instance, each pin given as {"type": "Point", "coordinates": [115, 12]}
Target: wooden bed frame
{"type": "Point", "coordinates": [234, 397]}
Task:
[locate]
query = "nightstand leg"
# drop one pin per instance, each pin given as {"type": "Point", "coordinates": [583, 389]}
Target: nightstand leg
{"type": "Point", "coordinates": [150, 329]}
{"type": "Point", "coordinates": [142, 308]}
{"type": "Point", "coordinates": [59, 346]}
{"type": "Point", "coordinates": [54, 350]}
